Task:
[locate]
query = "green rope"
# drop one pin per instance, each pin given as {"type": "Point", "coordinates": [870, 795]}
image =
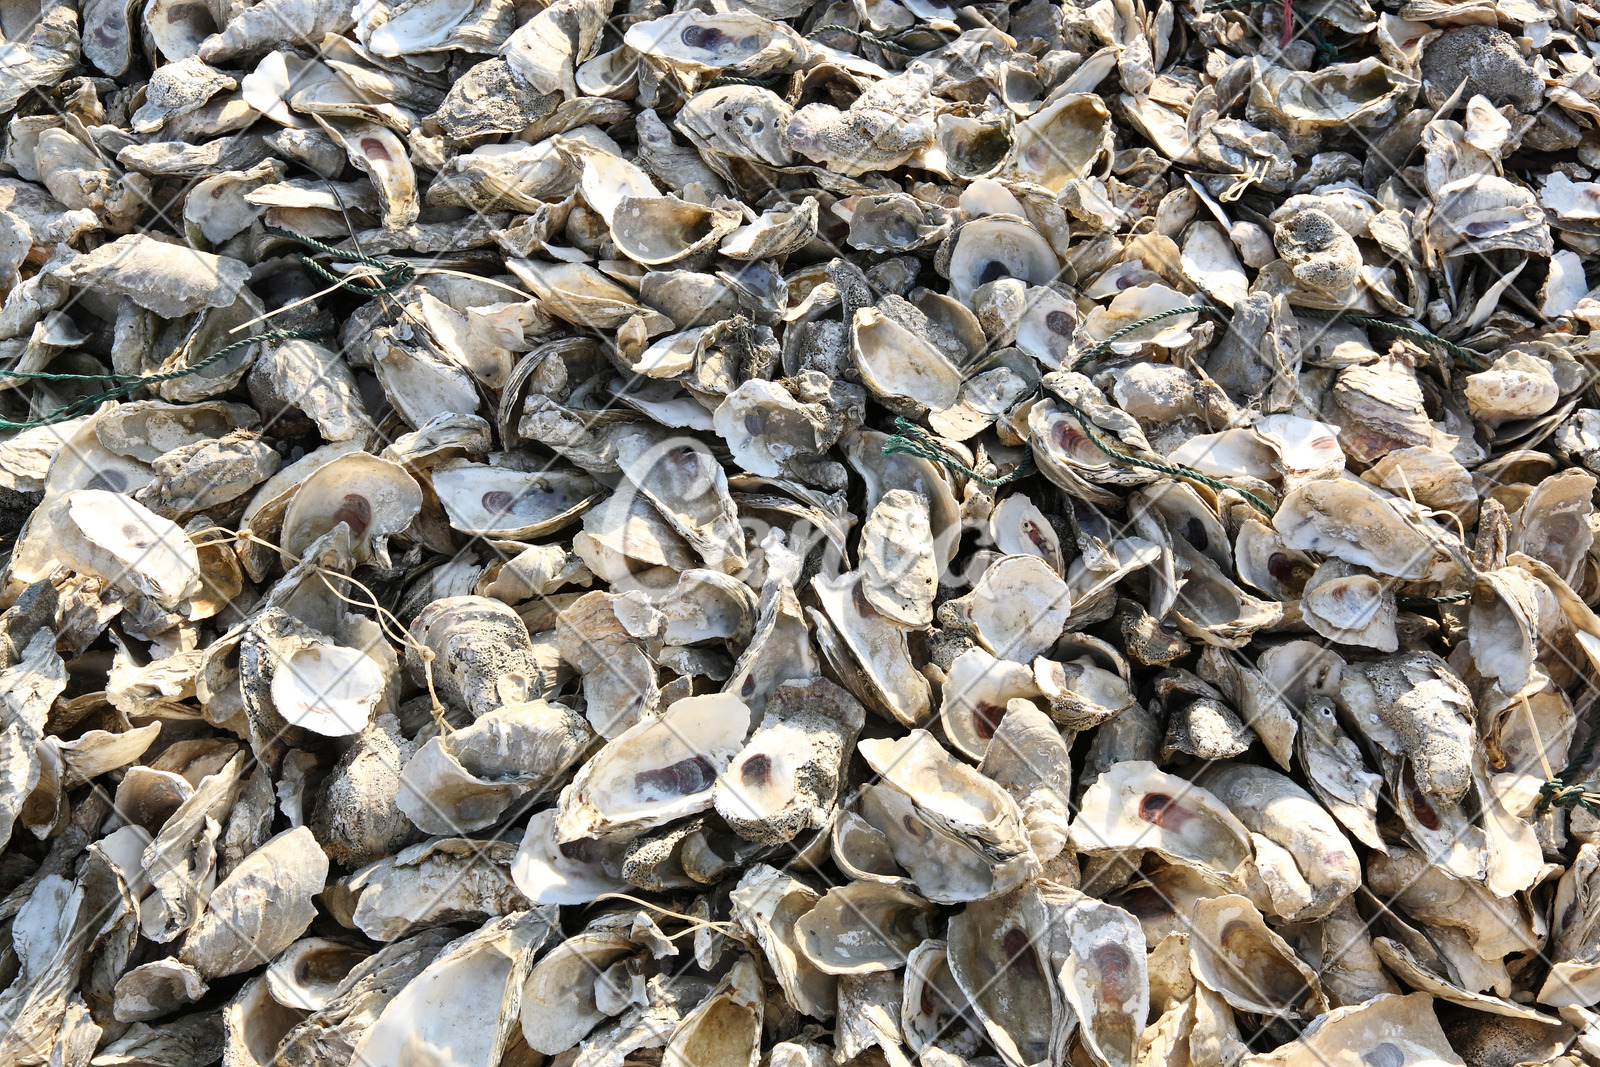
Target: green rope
{"type": "Point", "coordinates": [395, 275]}
{"type": "Point", "coordinates": [129, 383]}
{"type": "Point", "coordinates": [729, 79]}
{"type": "Point", "coordinates": [1469, 358]}
{"type": "Point", "coordinates": [1105, 346]}
{"type": "Point", "coordinates": [1414, 333]}
{"type": "Point", "coordinates": [912, 440]}
{"type": "Point", "coordinates": [1556, 793]}
{"type": "Point", "coordinates": [1173, 469]}
{"type": "Point", "coordinates": [887, 46]}
{"type": "Point", "coordinates": [1424, 601]}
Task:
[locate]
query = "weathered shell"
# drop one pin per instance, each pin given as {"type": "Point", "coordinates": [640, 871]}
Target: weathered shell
{"type": "Point", "coordinates": [441, 880]}
{"type": "Point", "coordinates": [259, 909]}
{"type": "Point", "coordinates": [787, 776]}
{"type": "Point", "coordinates": [656, 771]}
{"type": "Point", "coordinates": [482, 656]}
{"type": "Point", "coordinates": [1028, 758]}
{"type": "Point", "coordinates": [874, 648]}
{"type": "Point", "coordinates": [998, 246]}
{"type": "Point", "coordinates": [978, 689]}
{"type": "Point", "coordinates": [976, 823]}
{"type": "Point", "coordinates": [1324, 869]}
{"type": "Point", "coordinates": [831, 936]}
{"type": "Point", "coordinates": [465, 780]}
{"type": "Point", "coordinates": [1017, 609]}
{"type": "Point", "coordinates": [1236, 954]}
{"type": "Point", "coordinates": [307, 975]}
{"type": "Point", "coordinates": [1104, 978]}
{"type": "Point", "coordinates": [111, 536]}
{"type": "Point", "coordinates": [999, 955]}
{"type": "Point", "coordinates": [1134, 805]}
{"type": "Point", "coordinates": [463, 1003]}
{"type": "Point", "coordinates": [374, 497]}
{"type": "Point", "coordinates": [767, 904]}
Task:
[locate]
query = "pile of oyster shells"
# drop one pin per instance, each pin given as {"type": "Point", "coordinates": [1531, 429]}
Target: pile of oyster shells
{"type": "Point", "coordinates": [755, 590]}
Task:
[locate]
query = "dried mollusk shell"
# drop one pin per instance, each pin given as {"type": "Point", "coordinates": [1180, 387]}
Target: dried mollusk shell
{"type": "Point", "coordinates": [464, 780]}
{"type": "Point", "coordinates": [111, 536]}
{"type": "Point", "coordinates": [1234, 953]}
{"type": "Point", "coordinates": [569, 872]}
{"type": "Point", "coordinates": [1323, 868]}
{"type": "Point", "coordinates": [935, 1013]}
{"type": "Point", "coordinates": [1062, 141]}
{"type": "Point", "coordinates": [978, 689]}
{"type": "Point", "coordinates": [1017, 609]}
{"type": "Point", "coordinates": [1020, 528]}
{"type": "Point", "coordinates": [768, 430]}
{"type": "Point", "coordinates": [1028, 758]}
{"type": "Point", "coordinates": [1348, 518]}
{"type": "Point", "coordinates": [899, 366]}
{"type": "Point", "coordinates": [1402, 1030]}
{"type": "Point", "coordinates": [768, 903]}
{"type": "Point", "coordinates": [832, 937]}
{"type": "Point", "coordinates": [482, 654]}
{"type": "Point", "coordinates": [444, 879]}
{"type": "Point", "coordinates": [738, 121]}
{"type": "Point", "coordinates": [1211, 607]}
{"type": "Point", "coordinates": [1078, 694]}
{"type": "Point", "coordinates": [960, 809]}
{"type": "Point", "coordinates": [899, 578]}
{"type": "Point", "coordinates": [1134, 805]}
{"type": "Point", "coordinates": [882, 473]}
{"type": "Point", "coordinates": [1300, 105]}
{"type": "Point", "coordinates": [1140, 302]}
{"type": "Point", "coordinates": [506, 503]}
{"type": "Point", "coordinates": [997, 246]}
{"type": "Point", "coordinates": [148, 429]}
{"type": "Point", "coordinates": [1413, 704]}
{"type": "Point", "coordinates": [657, 771]}
{"type": "Point", "coordinates": [873, 648]}
{"type": "Point", "coordinates": [999, 956]}
{"type": "Point", "coordinates": [463, 1005]}
{"type": "Point", "coordinates": [323, 686]}
{"type": "Point", "coordinates": [307, 975]}
{"type": "Point", "coordinates": [725, 1029]}
{"type": "Point", "coordinates": [660, 229]}
{"type": "Point", "coordinates": [787, 776]}
{"type": "Point", "coordinates": [1345, 604]}
{"type": "Point", "coordinates": [1104, 977]}
{"type": "Point", "coordinates": [374, 497]}
{"type": "Point", "coordinates": [889, 223]}
{"type": "Point", "coordinates": [260, 908]}
{"type": "Point", "coordinates": [734, 42]}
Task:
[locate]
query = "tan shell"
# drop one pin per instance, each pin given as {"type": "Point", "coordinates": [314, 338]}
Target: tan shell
{"type": "Point", "coordinates": [957, 811]}
{"type": "Point", "coordinates": [1234, 953]}
{"type": "Point", "coordinates": [831, 933]}
{"type": "Point", "coordinates": [656, 771]}
{"type": "Point", "coordinates": [1135, 805]}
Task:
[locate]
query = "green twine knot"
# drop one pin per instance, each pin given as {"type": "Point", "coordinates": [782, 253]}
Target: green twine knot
{"type": "Point", "coordinates": [394, 274]}
{"type": "Point", "coordinates": [1105, 346]}
{"type": "Point", "coordinates": [1400, 329]}
{"type": "Point", "coordinates": [912, 440]}
{"type": "Point", "coordinates": [1556, 793]}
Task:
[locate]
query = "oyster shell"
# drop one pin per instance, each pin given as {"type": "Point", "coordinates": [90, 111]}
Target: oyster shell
{"type": "Point", "coordinates": [659, 770]}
